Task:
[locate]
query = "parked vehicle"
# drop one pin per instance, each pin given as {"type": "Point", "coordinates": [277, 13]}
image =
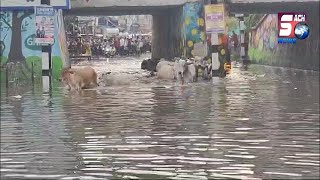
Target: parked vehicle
{"type": "Point", "coordinates": [110, 51]}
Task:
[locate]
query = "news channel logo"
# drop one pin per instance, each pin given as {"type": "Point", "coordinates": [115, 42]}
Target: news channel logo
{"type": "Point", "coordinates": [292, 26]}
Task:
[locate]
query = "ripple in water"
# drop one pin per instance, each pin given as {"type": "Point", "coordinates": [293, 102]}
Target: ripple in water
{"type": "Point", "coordinates": [248, 126]}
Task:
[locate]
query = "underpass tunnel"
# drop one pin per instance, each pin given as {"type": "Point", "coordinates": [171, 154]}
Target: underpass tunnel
{"type": "Point", "coordinates": [166, 25]}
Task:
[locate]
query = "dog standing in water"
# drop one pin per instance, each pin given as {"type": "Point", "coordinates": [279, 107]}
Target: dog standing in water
{"type": "Point", "coordinates": [77, 79]}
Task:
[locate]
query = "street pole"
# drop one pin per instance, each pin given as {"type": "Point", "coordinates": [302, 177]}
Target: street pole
{"type": "Point", "coordinates": [242, 44]}
{"type": "Point", "coordinates": [216, 64]}
{"type": "Point", "coordinates": [47, 68]}
{"type": "Point", "coordinates": [46, 62]}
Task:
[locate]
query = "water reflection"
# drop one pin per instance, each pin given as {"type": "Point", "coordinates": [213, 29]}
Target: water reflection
{"type": "Point", "coordinates": [260, 123]}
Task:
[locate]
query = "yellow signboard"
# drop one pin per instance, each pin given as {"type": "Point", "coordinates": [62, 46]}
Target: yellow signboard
{"type": "Point", "coordinates": [214, 17]}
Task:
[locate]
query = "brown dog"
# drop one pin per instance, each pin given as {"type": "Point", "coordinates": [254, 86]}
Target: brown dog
{"type": "Point", "coordinates": [79, 78]}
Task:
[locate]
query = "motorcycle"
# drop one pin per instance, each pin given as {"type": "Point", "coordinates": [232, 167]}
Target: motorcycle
{"type": "Point", "coordinates": [204, 69]}
{"type": "Point", "coordinates": [110, 51]}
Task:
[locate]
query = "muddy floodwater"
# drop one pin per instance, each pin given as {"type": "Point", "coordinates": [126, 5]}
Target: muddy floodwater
{"type": "Point", "coordinates": [261, 123]}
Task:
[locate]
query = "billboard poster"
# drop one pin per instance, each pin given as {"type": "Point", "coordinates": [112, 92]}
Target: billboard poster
{"type": "Point", "coordinates": [214, 18]}
{"type": "Point", "coordinates": [44, 25]}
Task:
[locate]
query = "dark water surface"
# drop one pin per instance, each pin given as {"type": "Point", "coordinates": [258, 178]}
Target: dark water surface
{"type": "Point", "coordinates": [260, 123]}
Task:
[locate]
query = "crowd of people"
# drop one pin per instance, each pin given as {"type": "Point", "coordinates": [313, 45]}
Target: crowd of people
{"type": "Point", "coordinates": [123, 45]}
{"type": "Point", "coordinates": [78, 46]}
{"type": "Point", "coordinates": [132, 46]}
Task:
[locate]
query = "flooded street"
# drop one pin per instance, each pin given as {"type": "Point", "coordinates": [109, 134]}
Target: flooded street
{"type": "Point", "coordinates": [260, 123]}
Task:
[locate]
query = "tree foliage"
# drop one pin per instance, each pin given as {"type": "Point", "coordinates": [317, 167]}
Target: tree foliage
{"type": "Point", "coordinates": [252, 20]}
{"type": "Point", "coordinates": [232, 23]}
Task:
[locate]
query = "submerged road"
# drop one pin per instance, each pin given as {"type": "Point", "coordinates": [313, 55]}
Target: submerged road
{"type": "Point", "coordinates": [260, 123]}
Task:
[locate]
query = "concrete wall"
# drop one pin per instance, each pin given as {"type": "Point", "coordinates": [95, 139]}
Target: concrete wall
{"type": "Point", "coordinates": [166, 34]}
{"type": "Point", "coordinates": [117, 3]}
{"type": "Point", "coordinates": [19, 28]}
{"type": "Point", "coordinates": [264, 47]}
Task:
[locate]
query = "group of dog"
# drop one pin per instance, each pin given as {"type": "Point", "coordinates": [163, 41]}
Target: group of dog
{"type": "Point", "coordinates": [185, 71]}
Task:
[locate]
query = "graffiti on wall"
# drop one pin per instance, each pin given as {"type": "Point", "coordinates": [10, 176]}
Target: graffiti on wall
{"type": "Point", "coordinates": [17, 32]}
{"type": "Point", "coordinates": [16, 28]}
{"type": "Point", "coordinates": [263, 44]}
{"type": "Point", "coordinates": [265, 36]}
{"type": "Point", "coordinates": [264, 47]}
{"type": "Point", "coordinates": [194, 29]}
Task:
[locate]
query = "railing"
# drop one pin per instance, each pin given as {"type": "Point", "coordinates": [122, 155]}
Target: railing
{"type": "Point", "coordinates": [19, 75]}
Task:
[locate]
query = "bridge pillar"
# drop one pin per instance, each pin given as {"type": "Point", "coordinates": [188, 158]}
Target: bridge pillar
{"type": "Point", "coordinates": [166, 34]}
{"type": "Point", "coordinates": [243, 44]}
{"type": "Point", "coordinates": [46, 62]}
{"type": "Point", "coordinates": [217, 60]}
{"type": "Point", "coordinates": [159, 31]}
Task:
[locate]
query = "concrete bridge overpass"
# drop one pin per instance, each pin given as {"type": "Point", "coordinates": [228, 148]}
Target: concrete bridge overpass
{"type": "Point", "coordinates": [167, 15]}
{"type": "Point", "coordinates": [120, 7]}
{"type": "Point", "coordinates": [123, 7]}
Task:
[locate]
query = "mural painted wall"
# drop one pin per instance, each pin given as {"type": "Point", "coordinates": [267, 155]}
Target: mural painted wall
{"type": "Point", "coordinates": [263, 40]}
{"type": "Point", "coordinates": [264, 47]}
{"type": "Point", "coordinates": [193, 26]}
{"type": "Point", "coordinates": [17, 32]}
